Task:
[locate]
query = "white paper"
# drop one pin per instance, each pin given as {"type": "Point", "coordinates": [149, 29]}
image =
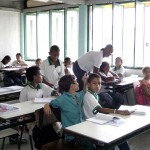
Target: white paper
{"type": "Point", "coordinates": [15, 87]}
{"type": "Point", "coordinates": [103, 118]}
{"type": "Point", "coordinates": [5, 108]}
{"type": "Point", "coordinates": [43, 100]}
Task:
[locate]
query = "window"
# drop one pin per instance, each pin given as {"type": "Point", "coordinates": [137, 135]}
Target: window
{"type": "Point", "coordinates": [72, 34]}
{"type": "Point", "coordinates": [31, 36]}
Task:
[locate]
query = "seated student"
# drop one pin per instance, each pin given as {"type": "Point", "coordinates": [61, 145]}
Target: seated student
{"type": "Point", "coordinates": [35, 88]}
{"type": "Point", "coordinates": [107, 97]}
{"type": "Point", "coordinates": [90, 103]}
{"type": "Point", "coordinates": [52, 68]}
{"type": "Point", "coordinates": [38, 62]}
{"type": "Point", "coordinates": [119, 69]}
{"type": "Point", "coordinates": [70, 105]}
{"type": "Point", "coordinates": [4, 63]}
{"type": "Point", "coordinates": [145, 83]}
{"type": "Point", "coordinates": [68, 66]}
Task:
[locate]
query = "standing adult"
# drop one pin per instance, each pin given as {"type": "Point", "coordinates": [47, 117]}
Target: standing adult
{"type": "Point", "coordinates": [90, 62]}
{"type": "Point", "coordinates": [52, 68]}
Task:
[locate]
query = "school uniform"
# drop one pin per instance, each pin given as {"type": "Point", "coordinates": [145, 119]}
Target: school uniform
{"type": "Point", "coordinates": [119, 71]}
{"type": "Point", "coordinates": [30, 93]}
{"type": "Point", "coordinates": [51, 73]}
{"type": "Point", "coordinates": [2, 65]}
{"type": "Point", "coordinates": [15, 63]}
{"type": "Point", "coordinates": [71, 109]}
{"type": "Point", "coordinates": [86, 63]}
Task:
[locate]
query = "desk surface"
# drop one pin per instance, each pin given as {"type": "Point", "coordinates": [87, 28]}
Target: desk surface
{"type": "Point", "coordinates": [10, 89]}
{"type": "Point", "coordinates": [107, 133]}
{"type": "Point", "coordinates": [25, 108]}
{"type": "Point", "coordinates": [13, 68]}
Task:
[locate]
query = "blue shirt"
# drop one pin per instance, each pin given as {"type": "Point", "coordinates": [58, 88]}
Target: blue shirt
{"type": "Point", "coordinates": [71, 109]}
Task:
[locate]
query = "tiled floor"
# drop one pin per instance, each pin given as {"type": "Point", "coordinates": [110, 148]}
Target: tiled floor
{"type": "Point", "coordinates": [141, 142]}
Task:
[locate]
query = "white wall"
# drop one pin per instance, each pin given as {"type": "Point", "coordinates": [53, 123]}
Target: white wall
{"type": "Point", "coordinates": [9, 33]}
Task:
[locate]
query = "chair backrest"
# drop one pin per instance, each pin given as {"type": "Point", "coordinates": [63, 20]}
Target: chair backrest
{"type": "Point", "coordinates": [141, 98]}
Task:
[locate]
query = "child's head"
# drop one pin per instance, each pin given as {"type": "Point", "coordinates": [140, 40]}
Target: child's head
{"type": "Point", "coordinates": [67, 83]}
{"type": "Point", "coordinates": [6, 59]}
{"type": "Point", "coordinates": [18, 56]}
{"type": "Point", "coordinates": [38, 62]}
{"type": "Point", "coordinates": [118, 61]}
{"type": "Point", "coordinates": [108, 50]}
{"type": "Point", "coordinates": [94, 82]}
{"type": "Point", "coordinates": [33, 74]}
{"type": "Point", "coordinates": [54, 53]}
{"type": "Point", "coordinates": [146, 72]}
{"type": "Point", "coordinates": [67, 61]}
{"type": "Point", "coordinates": [104, 67]}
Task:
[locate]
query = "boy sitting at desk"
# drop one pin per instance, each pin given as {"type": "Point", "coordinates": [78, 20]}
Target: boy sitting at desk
{"type": "Point", "coordinates": [70, 105]}
{"type": "Point", "coordinates": [91, 105]}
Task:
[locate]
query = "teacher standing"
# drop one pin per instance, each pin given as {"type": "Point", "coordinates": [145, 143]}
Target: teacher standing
{"type": "Point", "coordinates": [90, 62]}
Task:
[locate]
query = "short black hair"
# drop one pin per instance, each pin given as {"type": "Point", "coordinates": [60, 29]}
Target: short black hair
{"type": "Point", "coordinates": [65, 83]}
{"type": "Point", "coordinates": [104, 64]}
{"type": "Point", "coordinates": [32, 71]}
{"type": "Point", "coordinates": [19, 54]}
{"type": "Point", "coordinates": [92, 76]}
{"type": "Point", "coordinates": [38, 59]}
{"type": "Point", "coordinates": [54, 48]}
{"type": "Point", "coordinates": [7, 57]}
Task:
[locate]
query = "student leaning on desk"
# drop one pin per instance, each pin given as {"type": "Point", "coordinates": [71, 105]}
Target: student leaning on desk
{"type": "Point", "coordinates": [92, 107]}
{"type": "Point", "coordinates": [70, 105]}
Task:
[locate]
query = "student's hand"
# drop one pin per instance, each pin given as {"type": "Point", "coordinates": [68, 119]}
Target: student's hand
{"type": "Point", "coordinates": [47, 109]}
{"type": "Point", "coordinates": [55, 93]}
{"type": "Point", "coordinates": [124, 112]}
{"type": "Point", "coordinates": [84, 78]}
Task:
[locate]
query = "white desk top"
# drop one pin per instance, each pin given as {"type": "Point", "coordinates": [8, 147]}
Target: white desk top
{"type": "Point", "coordinates": [25, 108]}
{"type": "Point", "coordinates": [12, 69]}
{"type": "Point", "coordinates": [10, 89]}
{"type": "Point", "coordinates": [107, 133]}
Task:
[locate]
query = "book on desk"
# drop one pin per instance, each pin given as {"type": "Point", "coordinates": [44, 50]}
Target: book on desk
{"type": "Point", "coordinates": [5, 108]}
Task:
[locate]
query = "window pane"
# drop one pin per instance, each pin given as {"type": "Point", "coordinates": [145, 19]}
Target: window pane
{"type": "Point", "coordinates": [139, 40]}
{"type": "Point", "coordinates": [58, 30]}
{"type": "Point", "coordinates": [128, 35]}
{"type": "Point", "coordinates": [43, 34]}
{"type": "Point", "coordinates": [90, 29]}
{"type": "Point", "coordinates": [31, 36]}
{"type": "Point", "coordinates": [72, 33]}
{"type": "Point", "coordinates": [147, 37]}
{"type": "Point", "coordinates": [102, 26]}
{"type": "Point", "coordinates": [117, 31]}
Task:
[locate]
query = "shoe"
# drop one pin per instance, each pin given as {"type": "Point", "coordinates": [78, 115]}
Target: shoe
{"type": "Point", "coordinates": [14, 141]}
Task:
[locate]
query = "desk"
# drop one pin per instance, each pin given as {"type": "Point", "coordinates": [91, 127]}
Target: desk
{"type": "Point", "coordinates": [10, 93]}
{"type": "Point", "coordinates": [111, 135]}
{"type": "Point", "coordinates": [123, 86]}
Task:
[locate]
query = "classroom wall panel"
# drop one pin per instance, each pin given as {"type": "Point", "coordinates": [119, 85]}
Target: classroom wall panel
{"type": "Point", "coordinates": [9, 33]}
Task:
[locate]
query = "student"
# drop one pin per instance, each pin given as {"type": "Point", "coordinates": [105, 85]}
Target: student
{"type": "Point", "coordinates": [90, 103]}
{"type": "Point", "coordinates": [119, 69]}
{"type": "Point", "coordinates": [38, 62]}
{"type": "Point", "coordinates": [70, 105]}
{"type": "Point", "coordinates": [5, 62]}
{"type": "Point", "coordinates": [107, 97]}
{"type": "Point", "coordinates": [52, 68]}
{"type": "Point", "coordinates": [90, 62]}
{"type": "Point", "coordinates": [19, 61]}
{"type": "Point", "coordinates": [68, 66]}
{"type": "Point", "coordinates": [145, 83]}
{"type": "Point", "coordinates": [35, 88]}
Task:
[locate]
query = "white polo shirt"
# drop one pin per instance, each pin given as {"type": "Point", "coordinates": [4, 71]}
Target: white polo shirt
{"type": "Point", "coordinates": [29, 93]}
{"type": "Point", "coordinates": [89, 60]}
{"type": "Point", "coordinates": [15, 63]}
{"type": "Point", "coordinates": [52, 74]}
{"type": "Point", "coordinates": [89, 103]}
{"type": "Point", "coordinates": [121, 70]}
{"type": "Point", "coordinates": [2, 65]}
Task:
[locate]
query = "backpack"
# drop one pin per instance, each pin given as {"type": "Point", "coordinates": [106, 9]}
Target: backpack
{"type": "Point", "coordinates": [44, 133]}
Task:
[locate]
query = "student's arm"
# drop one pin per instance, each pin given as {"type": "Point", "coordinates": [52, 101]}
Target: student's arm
{"type": "Point", "coordinates": [145, 90]}
{"type": "Point", "coordinates": [114, 74]}
{"type": "Point", "coordinates": [84, 79]}
{"type": "Point", "coordinates": [115, 111]}
{"type": "Point", "coordinates": [47, 109]}
{"type": "Point", "coordinates": [47, 83]}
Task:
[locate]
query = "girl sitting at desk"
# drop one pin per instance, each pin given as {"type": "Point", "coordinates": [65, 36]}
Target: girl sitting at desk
{"type": "Point", "coordinates": [109, 98]}
{"type": "Point", "coordinates": [91, 105]}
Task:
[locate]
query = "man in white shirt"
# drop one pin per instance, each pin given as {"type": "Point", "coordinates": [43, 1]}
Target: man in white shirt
{"type": "Point", "coordinates": [90, 62]}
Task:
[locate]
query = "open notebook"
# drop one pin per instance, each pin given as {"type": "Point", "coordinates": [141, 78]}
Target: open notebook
{"type": "Point", "coordinates": [44, 100]}
{"type": "Point", "coordinates": [103, 118]}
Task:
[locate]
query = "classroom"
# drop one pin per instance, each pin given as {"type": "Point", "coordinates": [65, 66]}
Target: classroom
{"type": "Point", "coordinates": [76, 38]}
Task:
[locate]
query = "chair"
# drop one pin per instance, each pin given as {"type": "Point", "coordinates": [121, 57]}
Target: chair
{"type": "Point", "coordinates": [140, 96]}
{"type": "Point", "coordinates": [6, 133]}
